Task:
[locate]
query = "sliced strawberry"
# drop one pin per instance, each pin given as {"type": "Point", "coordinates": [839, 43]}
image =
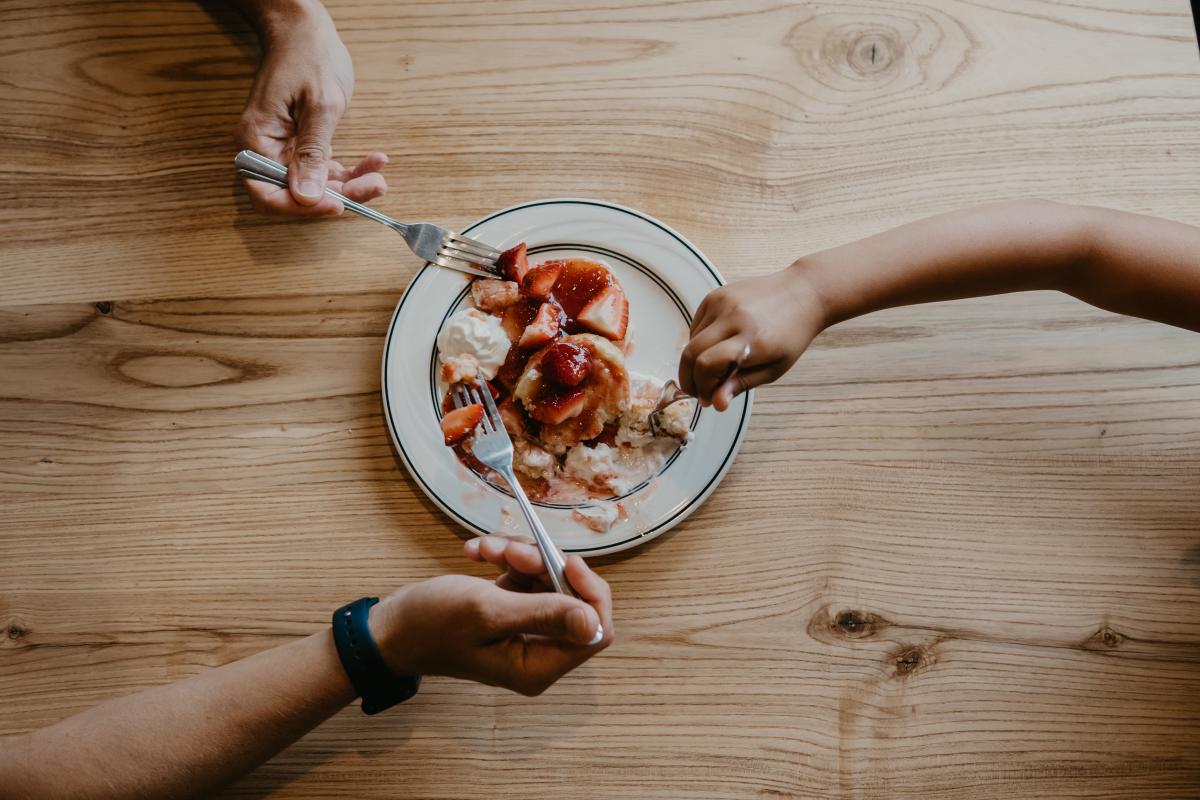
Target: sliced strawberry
{"type": "Point", "coordinates": [514, 262]}
{"type": "Point", "coordinates": [460, 423]}
{"type": "Point", "coordinates": [540, 280]}
{"type": "Point", "coordinates": [581, 281]}
{"type": "Point", "coordinates": [518, 316]}
{"type": "Point", "coordinates": [566, 364]}
{"type": "Point", "coordinates": [513, 416]}
{"type": "Point", "coordinates": [555, 406]}
{"type": "Point", "coordinates": [543, 329]}
{"type": "Point", "coordinates": [493, 295]}
{"type": "Point", "coordinates": [607, 314]}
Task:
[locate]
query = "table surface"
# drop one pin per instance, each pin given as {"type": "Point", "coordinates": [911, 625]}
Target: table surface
{"type": "Point", "coordinates": [959, 553]}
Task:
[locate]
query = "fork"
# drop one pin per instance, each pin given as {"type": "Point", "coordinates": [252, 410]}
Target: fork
{"type": "Point", "coordinates": [493, 448]}
{"type": "Point", "coordinates": [431, 243]}
{"type": "Point", "coordinates": [671, 393]}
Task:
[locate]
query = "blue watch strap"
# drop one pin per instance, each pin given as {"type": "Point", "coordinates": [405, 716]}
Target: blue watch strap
{"type": "Point", "coordinates": [364, 664]}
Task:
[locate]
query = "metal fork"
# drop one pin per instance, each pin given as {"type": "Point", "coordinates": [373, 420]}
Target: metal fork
{"type": "Point", "coordinates": [672, 394]}
{"type": "Point", "coordinates": [430, 242]}
{"type": "Point", "coordinates": [493, 448]}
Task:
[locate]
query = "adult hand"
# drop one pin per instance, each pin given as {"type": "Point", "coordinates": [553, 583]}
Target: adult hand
{"type": "Point", "coordinates": [777, 316]}
{"type": "Point", "coordinates": [299, 95]}
{"type": "Point", "coordinates": [512, 633]}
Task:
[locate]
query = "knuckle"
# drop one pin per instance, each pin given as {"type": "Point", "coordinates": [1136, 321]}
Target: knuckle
{"type": "Point", "coordinates": [476, 609]}
{"type": "Point", "coordinates": [547, 620]}
{"type": "Point", "coordinates": [311, 153]}
{"type": "Point", "coordinates": [324, 107]}
{"type": "Point", "coordinates": [743, 319]}
{"type": "Point", "coordinates": [707, 360]}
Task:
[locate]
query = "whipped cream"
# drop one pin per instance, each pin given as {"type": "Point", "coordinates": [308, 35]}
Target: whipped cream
{"type": "Point", "coordinates": [594, 465]}
{"type": "Point", "coordinates": [533, 460]}
{"type": "Point", "coordinates": [634, 424]}
{"type": "Point", "coordinates": [472, 332]}
{"type": "Point", "coordinates": [597, 516]}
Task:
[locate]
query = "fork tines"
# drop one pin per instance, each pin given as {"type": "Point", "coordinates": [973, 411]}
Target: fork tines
{"type": "Point", "coordinates": [472, 253]}
{"type": "Point", "coordinates": [464, 394]}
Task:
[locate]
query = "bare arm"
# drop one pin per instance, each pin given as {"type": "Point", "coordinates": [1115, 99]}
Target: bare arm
{"type": "Point", "coordinates": [1127, 263]}
{"type": "Point", "coordinates": [184, 739]}
{"type": "Point", "coordinates": [188, 738]}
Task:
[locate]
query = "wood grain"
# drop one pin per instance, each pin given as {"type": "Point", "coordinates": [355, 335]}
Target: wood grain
{"type": "Point", "coordinates": [958, 556]}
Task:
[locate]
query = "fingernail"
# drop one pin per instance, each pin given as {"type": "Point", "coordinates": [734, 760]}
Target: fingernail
{"type": "Point", "coordinates": [598, 637]}
{"type": "Point", "coordinates": [310, 188]}
{"type": "Point", "coordinates": [473, 545]}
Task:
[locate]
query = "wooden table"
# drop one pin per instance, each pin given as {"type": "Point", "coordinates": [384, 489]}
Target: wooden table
{"type": "Point", "coordinates": [959, 555]}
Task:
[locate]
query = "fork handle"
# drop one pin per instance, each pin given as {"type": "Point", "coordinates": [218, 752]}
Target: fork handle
{"type": "Point", "coordinates": [555, 563]}
{"type": "Point", "coordinates": [260, 168]}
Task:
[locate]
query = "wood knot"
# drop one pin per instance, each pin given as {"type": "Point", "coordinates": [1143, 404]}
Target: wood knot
{"type": "Point", "coordinates": [911, 658]}
{"type": "Point", "coordinates": [178, 370]}
{"type": "Point", "coordinates": [863, 55]}
{"type": "Point", "coordinates": [848, 58]}
{"type": "Point", "coordinates": [1104, 639]}
{"type": "Point", "coordinates": [104, 307]}
{"type": "Point", "coordinates": [873, 52]}
{"type": "Point", "coordinates": [15, 630]}
{"type": "Point", "coordinates": [829, 627]}
{"type": "Point", "coordinates": [855, 624]}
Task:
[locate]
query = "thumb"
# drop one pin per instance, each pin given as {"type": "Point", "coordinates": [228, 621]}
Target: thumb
{"type": "Point", "coordinates": [309, 168]}
{"type": "Point", "coordinates": [545, 614]}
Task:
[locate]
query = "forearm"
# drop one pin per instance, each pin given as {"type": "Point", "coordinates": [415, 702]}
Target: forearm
{"type": "Point", "coordinates": [1122, 262]}
{"type": "Point", "coordinates": [184, 739]}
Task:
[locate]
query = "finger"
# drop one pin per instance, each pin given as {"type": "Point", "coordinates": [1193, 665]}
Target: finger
{"type": "Point", "coordinates": [365, 187]}
{"type": "Point", "coordinates": [308, 170]}
{"type": "Point", "coordinates": [337, 172]}
{"type": "Point", "coordinates": [714, 365]}
{"type": "Point", "coordinates": [549, 614]}
{"type": "Point", "coordinates": [271, 199]}
{"type": "Point", "coordinates": [743, 381]}
{"type": "Point", "coordinates": [705, 314]}
{"type": "Point", "coordinates": [252, 133]}
{"type": "Point", "coordinates": [699, 343]}
{"type": "Point", "coordinates": [507, 553]}
{"type": "Point", "coordinates": [594, 591]}
{"type": "Point", "coordinates": [472, 546]}
{"type": "Point", "coordinates": [471, 549]}
{"type": "Point", "coordinates": [372, 163]}
{"type": "Point", "coordinates": [727, 391]}
{"type": "Point", "coordinates": [515, 581]}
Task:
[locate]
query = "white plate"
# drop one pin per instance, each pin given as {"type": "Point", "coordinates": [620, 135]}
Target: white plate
{"type": "Point", "coordinates": [665, 278]}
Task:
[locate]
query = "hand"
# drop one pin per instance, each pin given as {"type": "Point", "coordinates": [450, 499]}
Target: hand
{"type": "Point", "coordinates": [300, 93]}
{"type": "Point", "coordinates": [513, 633]}
{"type": "Point", "coordinates": [776, 315]}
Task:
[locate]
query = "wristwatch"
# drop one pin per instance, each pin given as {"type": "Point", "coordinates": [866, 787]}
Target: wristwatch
{"type": "Point", "coordinates": [379, 688]}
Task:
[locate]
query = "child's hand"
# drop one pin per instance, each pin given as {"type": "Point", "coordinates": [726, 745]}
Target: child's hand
{"type": "Point", "coordinates": [776, 315]}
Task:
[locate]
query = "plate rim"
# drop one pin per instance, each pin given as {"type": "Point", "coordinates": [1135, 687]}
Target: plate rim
{"type": "Point", "coordinates": [641, 536]}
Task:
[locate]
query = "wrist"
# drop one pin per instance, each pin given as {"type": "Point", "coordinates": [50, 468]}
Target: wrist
{"type": "Point", "coordinates": [387, 627]}
{"type": "Point", "coordinates": [809, 288]}
{"type": "Point", "coordinates": [279, 21]}
{"type": "Point", "coordinates": [1082, 232]}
